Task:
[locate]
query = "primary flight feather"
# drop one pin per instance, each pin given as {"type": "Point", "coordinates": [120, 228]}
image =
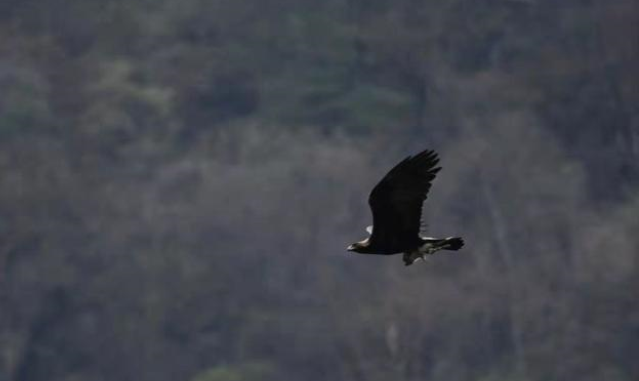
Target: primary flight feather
{"type": "Point", "coordinates": [396, 203]}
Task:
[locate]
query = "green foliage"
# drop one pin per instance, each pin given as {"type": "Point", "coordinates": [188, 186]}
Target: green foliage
{"type": "Point", "coordinates": [246, 372]}
{"type": "Point", "coordinates": [23, 102]}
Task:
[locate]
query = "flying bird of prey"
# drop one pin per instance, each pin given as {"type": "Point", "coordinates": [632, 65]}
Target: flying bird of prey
{"type": "Point", "coordinates": [396, 203]}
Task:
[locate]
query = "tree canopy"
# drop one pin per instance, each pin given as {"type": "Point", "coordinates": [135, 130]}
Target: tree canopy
{"type": "Point", "coordinates": [180, 180]}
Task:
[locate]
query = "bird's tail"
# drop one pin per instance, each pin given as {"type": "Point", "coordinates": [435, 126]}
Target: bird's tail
{"type": "Point", "coordinates": [450, 243]}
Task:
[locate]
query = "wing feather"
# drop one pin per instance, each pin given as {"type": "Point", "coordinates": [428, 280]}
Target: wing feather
{"type": "Point", "coordinates": [396, 202]}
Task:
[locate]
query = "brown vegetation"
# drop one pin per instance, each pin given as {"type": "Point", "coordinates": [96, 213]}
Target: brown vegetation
{"type": "Point", "coordinates": [179, 181]}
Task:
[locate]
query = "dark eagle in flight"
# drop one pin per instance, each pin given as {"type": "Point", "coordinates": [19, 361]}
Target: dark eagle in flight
{"type": "Point", "coordinates": [396, 203]}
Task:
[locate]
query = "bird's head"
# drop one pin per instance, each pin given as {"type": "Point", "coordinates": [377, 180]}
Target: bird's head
{"type": "Point", "coordinates": [358, 247]}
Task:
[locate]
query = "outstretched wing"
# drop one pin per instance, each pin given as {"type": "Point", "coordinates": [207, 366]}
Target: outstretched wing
{"type": "Point", "coordinates": [396, 202]}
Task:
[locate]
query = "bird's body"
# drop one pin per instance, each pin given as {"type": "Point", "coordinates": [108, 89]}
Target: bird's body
{"type": "Point", "coordinates": [396, 203]}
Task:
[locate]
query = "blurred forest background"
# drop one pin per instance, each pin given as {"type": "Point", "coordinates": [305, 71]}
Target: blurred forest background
{"type": "Point", "coordinates": [179, 181]}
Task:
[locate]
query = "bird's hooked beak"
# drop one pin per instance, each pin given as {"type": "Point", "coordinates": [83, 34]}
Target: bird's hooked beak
{"type": "Point", "coordinates": [351, 247]}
